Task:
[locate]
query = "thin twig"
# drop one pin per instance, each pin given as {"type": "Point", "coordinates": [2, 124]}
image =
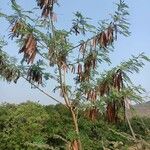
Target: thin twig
{"type": "Point", "coordinates": [44, 91]}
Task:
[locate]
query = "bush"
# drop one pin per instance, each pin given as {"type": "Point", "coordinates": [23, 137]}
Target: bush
{"type": "Point", "coordinates": [21, 124]}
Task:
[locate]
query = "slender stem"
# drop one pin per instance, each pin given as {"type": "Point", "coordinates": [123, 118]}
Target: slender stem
{"type": "Point", "coordinates": [131, 129]}
{"type": "Point", "coordinates": [63, 88]}
{"type": "Point", "coordinates": [68, 103]}
{"type": "Point", "coordinates": [44, 92]}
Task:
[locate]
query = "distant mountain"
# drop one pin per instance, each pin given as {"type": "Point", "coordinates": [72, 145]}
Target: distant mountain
{"type": "Point", "coordinates": [145, 104]}
{"type": "Point", "coordinates": [148, 103]}
{"type": "Point", "coordinates": [141, 110]}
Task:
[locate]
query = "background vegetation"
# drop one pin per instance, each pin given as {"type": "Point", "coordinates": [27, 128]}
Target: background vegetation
{"type": "Point", "coordinates": [31, 126]}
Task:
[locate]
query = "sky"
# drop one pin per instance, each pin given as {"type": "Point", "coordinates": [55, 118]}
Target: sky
{"type": "Point", "coordinates": [138, 42]}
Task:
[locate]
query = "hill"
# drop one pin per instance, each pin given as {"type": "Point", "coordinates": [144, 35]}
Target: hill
{"type": "Point", "coordinates": [141, 110]}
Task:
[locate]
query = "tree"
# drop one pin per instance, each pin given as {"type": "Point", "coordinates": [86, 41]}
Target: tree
{"type": "Point", "coordinates": [89, 88]}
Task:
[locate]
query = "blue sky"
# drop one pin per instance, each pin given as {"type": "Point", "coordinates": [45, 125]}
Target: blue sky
{"type": "Point", "coordinates": [139, 41]}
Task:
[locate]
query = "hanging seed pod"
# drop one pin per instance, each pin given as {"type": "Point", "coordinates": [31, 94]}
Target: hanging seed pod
{"type": "Point", "coordinates": [17, 30]}
{"type": "Point", "coordinates": [102, 39]}
{"type": "Point", "coordinates": [80, 77]}
{"type": "Point", "coordinates": [105, 38]}
{"type": "Point", "coordinates": [79, 69]}
{"type": "Point", "coordinates": [47, 7]}
{"type": "Point", "coordinates": [88, 95]}
{"type": "Point", "coordinates": [109, 35]}
{"type": "Point", "coordinates": [90, 62]}
{"type": "Point", "coordinates": [46, 11]}
{"type": "Point", "coordinates": [92, 113]}
{"type": "Point", "coordinates": [92, 95]}
{"type": "Point", "coordinates": [34, 75]}
{"type": "Point", "coordinates": [29, 49]}
{"type": "Point", "coordinates": [103, 88]}
{"type": "Point", "coordinates": [118, 80]}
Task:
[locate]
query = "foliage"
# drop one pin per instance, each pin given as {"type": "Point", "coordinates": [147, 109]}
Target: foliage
{"type": "Point", "coordinates": [141, 127]}
{"type": "Point", "coordinates": [24, 123]}
{"type": "Point", "coordinates": [8, 71]}
{"type": "Point", "coordinates": [33, 126]}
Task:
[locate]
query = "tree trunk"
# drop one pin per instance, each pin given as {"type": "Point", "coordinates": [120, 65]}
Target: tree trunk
{"type": "Point", "coordinates": [76, 144]}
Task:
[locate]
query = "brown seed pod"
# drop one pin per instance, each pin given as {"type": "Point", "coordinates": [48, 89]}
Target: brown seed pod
{"type": "Point", "coordinates": [90, 62]}
{"type": "Point", "coordinates": [17, 30]}
{"type": "Point", "coordinates": [34, 75]}
{"type": "Point", "coordinates": [79, 69]}
{"type": "Point", "coordinates": [117, 80]}
{"type": "Point", "coordinates": [102, 38]}
{"type": "Point", "coordinates": [105, 38]}
{"type": "Point", "coordinates": [47, 7]}
{"type": "Point", "coordinates": [109, 35]}
{"type": "Point", "coordinates": [29, 48]}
